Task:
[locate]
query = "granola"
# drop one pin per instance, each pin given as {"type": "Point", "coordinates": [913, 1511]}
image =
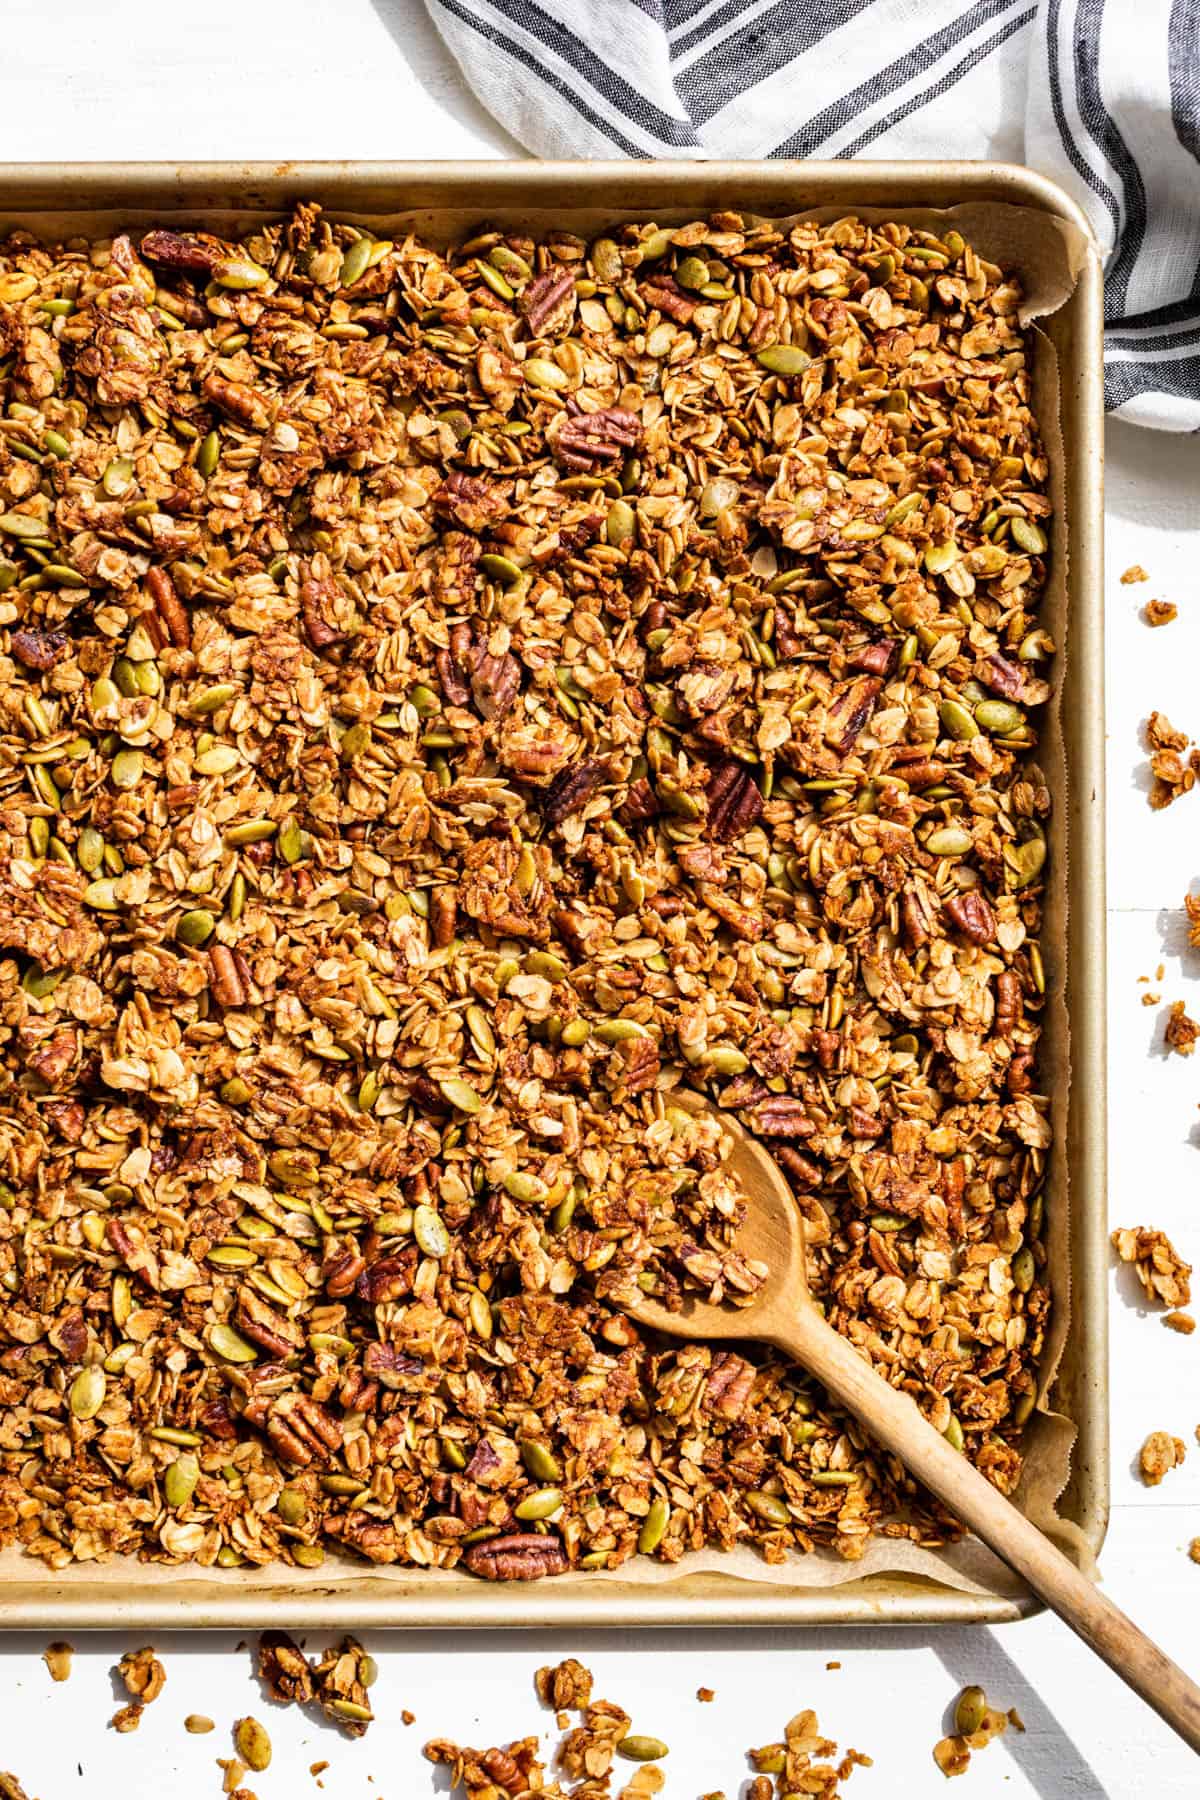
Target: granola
{"type": "Point", "coordinates": [1160, 612]}
{"type": "Point", "coordinates": [1159, 1455]}
{"type": "Point", "coordinates": [792, 1764]}
{"type": "Point", "coordinates": [1181, 1032]}
{"type": "Point", "coordinates": [1161, 1270]}
{"type": "Point", "coordinates": [1172, 775]}
{"type": "Point", "coordinates": [452, 701]}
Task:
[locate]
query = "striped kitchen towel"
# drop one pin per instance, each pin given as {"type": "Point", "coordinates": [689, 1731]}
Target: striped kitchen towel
{"type": "Point", "coordinates": [1102, 95]}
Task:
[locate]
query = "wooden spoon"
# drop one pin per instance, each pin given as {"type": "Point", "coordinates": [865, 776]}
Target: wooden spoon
{"type": "Point", "coordinates": [783, 1314]}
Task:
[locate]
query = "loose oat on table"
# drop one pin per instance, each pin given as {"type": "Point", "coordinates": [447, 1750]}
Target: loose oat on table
{"type": "Point", "coordinates": [452, 701]}
{"type": "Point", "coordinates": [1159, 1455]}
{"type": "Point", "coordinates": [1164, 1275]}
{"type": "Point", "coordinates": [1160, 612]}
{"type": "Point", "coordinates": [1172, 775]}
{"type": "Point", "coordinates": [1181, 1322]}
{"type": "Point", "coordinates": [198, 1724]}
{"type": "Point", "coordinates": [1181, 1032]}
{"type": "Point", "coordinates": [57, 1658]}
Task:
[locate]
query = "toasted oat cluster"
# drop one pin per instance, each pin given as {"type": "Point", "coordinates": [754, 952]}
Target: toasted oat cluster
{"type": "Point", "coordinates": [454, 702]}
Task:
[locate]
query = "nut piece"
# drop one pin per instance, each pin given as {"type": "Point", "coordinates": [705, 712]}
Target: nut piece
{"type": "Point", "coordinates": [57, 1658]}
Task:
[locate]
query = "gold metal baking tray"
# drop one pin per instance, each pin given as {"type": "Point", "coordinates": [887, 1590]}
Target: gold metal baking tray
{"type": "Point", "coordinates": [438, 198]}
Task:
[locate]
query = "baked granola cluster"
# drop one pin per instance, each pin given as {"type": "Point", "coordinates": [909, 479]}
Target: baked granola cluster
{"type": "Point", "coordinates": [452, 702]}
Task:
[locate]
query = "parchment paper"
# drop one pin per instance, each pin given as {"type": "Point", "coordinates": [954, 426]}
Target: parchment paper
{"type": "Point", "coordinates": [1048, 254]}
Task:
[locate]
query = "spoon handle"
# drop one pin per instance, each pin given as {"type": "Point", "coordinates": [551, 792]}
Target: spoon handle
{"type": "Point", "coordinates": [896, 1422]}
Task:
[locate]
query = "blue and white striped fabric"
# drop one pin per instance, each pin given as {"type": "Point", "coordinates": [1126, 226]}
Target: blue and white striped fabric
{"type": "Point", "coordinates": [1102, 95]}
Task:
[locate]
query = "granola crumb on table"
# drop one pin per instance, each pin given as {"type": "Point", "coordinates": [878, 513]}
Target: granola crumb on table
{"type": "Point", "coordinates": [1163, 1273]}
{"type": "Point", "coordinates": [1159, 1455]}
{"type": "Point", "coordinates": [1134, 573]}
{"type": "Point", "coordinates": [57, 1658]}
{"type": "Point", "coordinates": [1172, 775]}
{"type": "Point", "coordinates": [1160, 612]}
{"type": "Point", "coordinates": [452, 700]}
{"type": "Point", "coordinates": [1181, 1032]}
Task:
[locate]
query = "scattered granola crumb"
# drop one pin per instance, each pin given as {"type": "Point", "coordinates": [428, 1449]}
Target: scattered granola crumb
{"type": "Point", "coordinates": [793, 1767]}
{"type": "Point", "coordinates": [1151, 999]}
{"type": "Point", "coordinates": [233, 1769]}
{"type": "Point", "coordinates": [10, 1787]}
{"type": "Point", "coordinates": [568, 1685]}
{"type": "Point", "coordinates": [1181, 1322]}
{"type": "Point", "coordinates": [318, 1768]}
{"type": "Point", "coordinates": [975, 1725]}
{"type": "Point", "coordinates": [406, 1717]}
{"type": "Point", "coordinates": [57, 1658]}
{"type": "Point", "coordinates": [128, 1718]}
{"type": "Point", "coordinates": [1194, 1549]}
{"type": "Point", "coordinates": [1161, 1270]}
{"type": "Point", "coordinates": [1160, 612]}
{"type": "Point", "coordinates": [706, 1695]}
{"type": "Point", "coordinates": [1159, 1455]}
{"type": "Point", "coordinates": [1015, 1719]}
{"type": "Point", "coordinates": [143, 1675]}
{"type": "Point", "coordinates": [1134, 573]}
{"type": "Point", "coordinates": [833, 1665]}
{"type": "Point", "coordinates": [199, 1724]}
{"type": "Point", "coordinates": [340, 1682]}
{"type": "Point", "coordinates": [1172, 776]}
{"type": "Point", "coordinates": [283, 1666]}
{"type": "Point", "coordinates": [1181, 1032]}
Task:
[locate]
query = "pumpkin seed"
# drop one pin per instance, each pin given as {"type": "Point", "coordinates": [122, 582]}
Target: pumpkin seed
{"type": "Point", "coordinates": [539, 1461]}
{"type": "Point", "coordinates": [309, 1556]}
{"type": "Point", "coordinates": [539, 1505]}
{"type": "Point", "coordinates": [769, 1507]}
{"type": "Point", "coordinates": [1024, 1269]}
{"type": "Point", "coordinates": [783, 359]}
{"type": "Point", "coordinates": [252, 1744]}
{"type": "Point", "coordinates": [254, 831]}
{"type": "Point", "coordinates": [654, 1525]}
{"type": "Point", "coordinates": [211, 699]}
{"type": "Point", "coordinates": [356, 260]}
{"type": "Point", "coordinates": [692, 274]}
{"type": "Point", "coordinates": [1030, 537]}
{"type": "Point", "coordinates": [195, 928]}
{"type": "Point", "coordinates": [430, 1232]}
{"type": "Point", "coordinates": [642, 1749]}
{"type": "Point", "coordinates": [620, 527]}
{"type": "Point", "coordinates": [999, 717]}
{"type": "Point", "coordinates": [230, 1344]}
{"type": "Point", "coordinates": [619, 1031]}
{"type": "Point", "coordinates": [87, 1392]}
{"type": "Point", "coordinates": [951, 840]}
{"type": "Point", "coordinates": [969, 1711]}
{"type": "Point", "coordinates": [291, 1506]}
{"type": "Point", "coordinates": [179, 1482]}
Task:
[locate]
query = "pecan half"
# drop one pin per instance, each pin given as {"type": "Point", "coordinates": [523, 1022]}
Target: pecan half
{"type": "Point", "coordinates": [588, 440]}
{"type": "Point", "coordinates": [239, 401]}
{"type": "Point", "coordinates": [734, 802]}
{"type": "Point", "coordinates": [572, 788]}
{"type": "Point", "coordinates": [472, 500]}
{"type": "Point", "coordinates": [320, 597]}
{"type": "Point", "coordinates": [972, 915]}
{"type": "Point", "coordinates": [521, 1556]}
{"type": "Point", "coordinates": [781, 1115]}
{"type": "Point", "coordinates": [226, 983]}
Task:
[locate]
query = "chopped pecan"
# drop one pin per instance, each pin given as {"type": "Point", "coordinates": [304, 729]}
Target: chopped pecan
{"type": "Point", "coordinates": [227, 988]}
{"type": "Point", "coordinates": [443, 915]}
{"type": "Point", "coordinates": [588, 440]}
{"type": "Point", "coordinates": [850, 713]}
{"type": "Point", "coordinates": [284, 1668]}
{"type": "Point", "coordinates": [169, 607]}
{"type": "Point", "coordinates": [388, 1277]}
{"type": "Point", "coordinates": [521, 1556]}
{"type": "Point", "coordinates": [187, 251]}
{"type": "Point", "coordinates": [735, 802]}
{"type": "Point", "coordinates": [781, 1115]}
{"type": "Point", "coordinates": [472, 500]}
{"type": "Point", "coordinates": [730, 1383]}
{"type": "Point", "coordinates": [917, 915]}
{"type": "Point", "coordinates": [37, 648]}
{"type": "Point", "coordinates": [1008, 1002]}
{"type": "Point", "coordinates": [1002, 676]}
{"type": "Point", "coordinates": [664, 293]}
{"type": "Point", "coordinates": [320, 596]}
{"type": "Point", "coordinates": [640, 803]}
{"type": "Point", "coordinates": [548, 303]}
{"type": "Point", "coordinates": [239, 401]}
{"type": "Point", "coordinates": [277, 1335]}
{"type": "Point", "coordinates": [877, 659]}
{"type": "Point", "coordinates": [495, 684]}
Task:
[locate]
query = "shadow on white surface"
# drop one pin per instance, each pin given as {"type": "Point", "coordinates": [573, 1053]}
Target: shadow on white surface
{"type": "Point", "coordinates": [419, 43]}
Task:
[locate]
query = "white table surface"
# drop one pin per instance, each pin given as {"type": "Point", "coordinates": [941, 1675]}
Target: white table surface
{"type": "Point", "coordinates": [369, 78]}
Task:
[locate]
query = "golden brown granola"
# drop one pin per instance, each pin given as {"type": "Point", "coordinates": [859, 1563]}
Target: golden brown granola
{"type": "Point", "coordinates": [341, 1678]}
{"type": "Point", "coordinates": [144, 1678]}
{"type": "Point", "coordinates": [1181, 1322]}
{"type": "Point", "coordinates": [10, 1787]}
{"type": "Point", "coordinates": [283, 1666]}
{"type": "Point", "coordinates": [1161, 1270]}
{"type": "Point", "coordinates": [1159, 1455]}
{"type": "Point", "coordinates": [567, 1685]}
{"type": "Point", "coordinates": [1194, 1549]}
{"type": "Point", "coordinates": [1160, 612]}
{"type": "Point", "coordinates": [1181, 1032]}
{"type": "Point", "coordinates": [975, 1725]}
{"type": "Point", "coordinates": [452, 700]}
{"type": "Point", "coordinates": [1134, 573]}
{"type": "Point", "coordinates": [791, 1762]}
{"type": "Point", "coordinates": [1172, 775]}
